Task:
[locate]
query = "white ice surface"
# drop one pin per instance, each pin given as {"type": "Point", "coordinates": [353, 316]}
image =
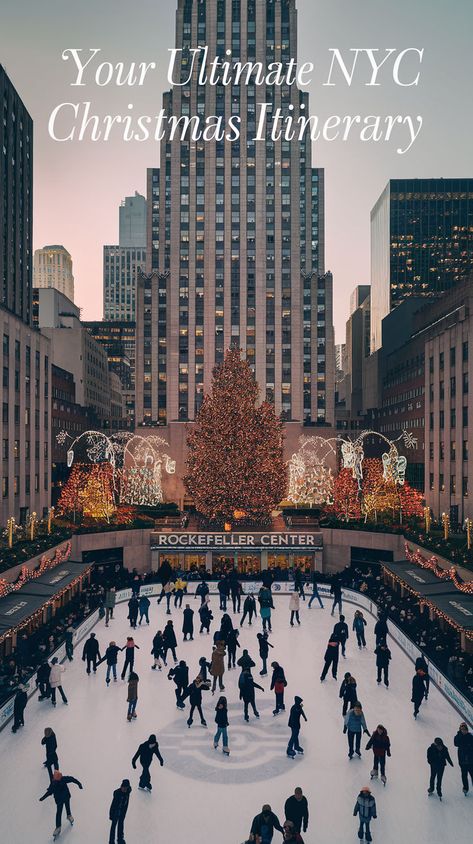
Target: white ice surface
{"type": "Point", "coordinates": [200, 796]}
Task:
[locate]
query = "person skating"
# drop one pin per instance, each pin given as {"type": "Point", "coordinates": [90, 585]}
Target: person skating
{"type": "Point", "coordinates": [91, 653]}
{"type": "Point", "coordinates": [217, 665]}
{"type": "Point", "coordinates": [278, 684]}
{"type": "Point", "coordinates": [223, 591]}
{"type": "Point", "coordinates": [59, 790]}
{"type": "Point", "coordinates": [145, 754]}
{"type": "Point", "coordinates": [296, 810]}
{"type": "Point", "coordinates": [340, 630]}
{"type": "Point", "coordinates": [180, 587]}
{"type": "Point", "coordinates": [69, 643]}
{"type": "Point", "coordinates": [463, 741]}
{"type": "Point", "coordinates": [221, 720]}
{"type": "Point", "coordinates": [422, 664]}
{"type": "Point", "coordinates": [236, 591]}
{"type": "Point", "coordinates": [355, 726]}
{"type": "Point", "coordinates": [110, 600]}
{"type": "Point", "coordinates": [133, 607]}
{"type": "Point", "coordinates": [169, 641]}
{"type": "Point", "coordinates": [157, 651]}
{"type": "Point", "coordinates": [19, 706]}
{"type": "Point", "coordinates": [168, 590]}
{"type": "Point", "coordinates": [132, 696]}
{"type": "Point", "coordinates": [383, 655]}
{"type": "Point", "coordinates": [331, 658]}
{"type": "Point", "coordinates": [290, 834]}
{"type": "Point", "coordinates": [202, 590]}
{"type": "Point", "coordinates": [42, 680]}
{"type": "Point", "coordinates": [204, 667]}
{"type": "Point", "coordinates": [249, 609]}
{"type": "Point", "coordinates": [226, 626]}
{"type": "Point", "coordinates": [264, 646]}
{"type": "Point", "coordinates": [336, 591]}
{"type": "Point", "coordinates": [348, 692]}
{"type": "Point", "coordinates": [245, 662]}
{"type": "Point", "coordinates": [49, 742]}
{"type": "Point", "coordinates": [437, 757]}
{"type": "Point", "coordinates": [263, 826]}
{"type": "Point", "coordinates": [247, 688]}
{"type": "Point", "coordinates": [55, 680]}
{"type": "Point", "coordinates": [194, 693]}
{"type": "Point", "coordinates": [380, 743]}
{"type": "Point", "coordinates": [180, 675]}
{"type": "Point", "coordinates": [129, 655]}
{"type": "Point", "coordinates": [206, 616]}
{"type": "Point", "coordinates": [144, 604]}
{"type": "Point", "coordinates": [359, 624]}
{"type": "Point", "coordinates": [265, 599]}
{"type": "Point", "coordinates": [188, 623]}
{"type": "Point", "coordinates": [111, 658]}
{"type": "Point", "coordinates": [232, 645]}
{"type": "Point", "coordinates": [418, 690]}
{"type": "Point", "coordinates": [381, 629]}
{"type": "Point", "coordinates": [365, 808]}
{"type": "Point", "coordinates": [294, 607]}
{"type": "Point", "coordinates": [294, 723]}
{"type": "Point", "coordinates": [117, 812]}
{"type": "Point", "coordinates": [315, 592]}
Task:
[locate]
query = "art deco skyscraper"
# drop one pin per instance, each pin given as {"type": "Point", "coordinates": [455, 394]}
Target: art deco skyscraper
{"type": "Point", "coordinates": [235, 234]}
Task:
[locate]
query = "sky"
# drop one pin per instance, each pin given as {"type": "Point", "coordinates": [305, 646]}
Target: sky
{"type": "Point", "coordinates": [78, 186]}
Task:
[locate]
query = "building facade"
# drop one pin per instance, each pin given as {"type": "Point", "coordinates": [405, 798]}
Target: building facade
{"type": "Point", "coordinates": [132, 222]}
{"type": "Point", "coordinates": [421, 242]}
{"type": "Point", "coordinates": [53, 268]}
{"type": "Point", "coordinates": [118, 340]}
{"type": "Point", "coordinates": [235, 235]}
{"type": "Point", "coordinates": [68, 416]}
{"type": "Point", "coordinates": [121, 265]}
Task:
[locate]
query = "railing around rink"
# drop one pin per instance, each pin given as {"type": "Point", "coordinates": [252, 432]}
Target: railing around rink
{"type": "Point", "coordinates": [455, 698]}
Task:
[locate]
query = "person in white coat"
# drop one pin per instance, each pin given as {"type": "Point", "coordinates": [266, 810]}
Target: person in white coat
{"type": "Point", "coordinates": [294, 606]}
{"type": "Point", "coordinates": [55, 680]}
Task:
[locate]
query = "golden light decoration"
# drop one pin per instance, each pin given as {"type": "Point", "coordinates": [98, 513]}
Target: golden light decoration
{"type": "Point", "coordinates": [227, 526]}
{"type": "Point", "coordinates": [443, 574]}
{"type": "Point", "coordinates": [446, 525]}
{"type": "Point", "coordinates": [428, 519]}
{"type": "Point", "coordinates": [10, 529]}
{"type": "Point", "coordinates": [32, 524]}
{"type": "Point", "coordinates": [239, 514]}
{"type": "Point", "coordinates": [50, 518]}
{"type": "Point", "coordinates": [468, 525]}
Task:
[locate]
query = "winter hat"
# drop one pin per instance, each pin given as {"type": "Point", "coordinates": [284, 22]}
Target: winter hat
{"type": "Point", "coordinates": [298, 699]}
{"type": "Point", "coordinates": [266, 809]}
{"type": "Point", "coordinates": [125, 784]}
{"type": "Point", "coordinates": [365, 789]}
{"type": "Point", "coordinates": [152, 739]}
{"type": "Point", "coordinates": [57, 776]}
{"type": "Point", "coordinates": [54, 660]}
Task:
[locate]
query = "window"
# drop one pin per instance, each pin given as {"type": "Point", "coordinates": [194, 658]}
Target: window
{"type": "Point", "coordinates": [465, 351]}
{"type": "Point", "coordinates": [453, 418]}
{"type": "Point", "coordinates": [442, 419]}
{"type": "Point", "coordinates": [465, 450]}
{"type": "Point", "coordinates": [36, 483]}
{"type": "Point", "coordinates": [431, 364]}
{"type": "Point", "coordinates": [452, 356]}
{"type": "Point", "coordinates": [441, 360]}
{"type": "Point", "coordinates": [453, 484]}
{"type": "Point", "coordinates": [16, 449]}
{"type": "Point", "coordinates": [465, 383]}
{"type": "Point", "coordinates": [441, 483]}
{"type": "Point", "coordinates": [5, 376]}
{"type": "Point", "coordinates": [465, 417]}
{"type": "Point", "coordinates": [453, 386]}
{"type": "Point", "coordinates": [5, 449]}
{"type": "Point", "coordinates": [465, 487]}
{"type": "Point", "coordinates": [4, 487]}
{"type": "Point", "coordinates": [431, 451]}
{"type": "Point", "coordinates": [453, 451]}
{"type": "Point", "coordinates": [27, 449]}
{"type": "Point", "coordinates": [5, 413]}
{"type": "Point", "coordinates": [16, 485]}
{"type": "Point", "coordinates": [442, 390]}
{"type": "Point", "coordinates": [431, 480]}
{"type": "Point", "coordinates": [431, 422]}
{"type": "Point", "coordinates": [441, 451]}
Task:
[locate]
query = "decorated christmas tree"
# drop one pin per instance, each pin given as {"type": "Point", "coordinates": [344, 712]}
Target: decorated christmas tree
{"type": "Point", "coordinates": [346, 497]}
{"type": "Point", "coordinates": [235, 462]}
{"type": "Point", "coordinates": [97, 493]}
{"type": "Point", "coordinates": [70, 502]}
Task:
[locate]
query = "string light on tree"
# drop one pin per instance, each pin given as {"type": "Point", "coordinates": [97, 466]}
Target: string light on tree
{"type": "Point", "coordinates": [446, 525]}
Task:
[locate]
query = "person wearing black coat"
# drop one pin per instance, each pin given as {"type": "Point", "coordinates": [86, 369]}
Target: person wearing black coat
{"type": "Point", "coordinates": [247, 688]}
{"type": "Point", "coordinates": [144, 605]}
{"type": "Point", "coordinates": [422, 664]}
{"type": "Point", "coordinates": [232, 645]}
{"type": "Point", "coordinates": [249, 609]}
{"type": "Point", "coordinates": [348, 692]}
{"type": "Point", "coordinates": [206, 617]}
{"type": "Point", "coordinates": [418, 690]}
{"type": "Point", "coordinates": [133, 607]}
{"type": "Point", "coordinates": [341, 632]}
{"type": "Point", "coordinates": [180, 675]}
{"type": "Point", "coordinates": [278, 684]}
{"type": "Point", "coordinates": [91, 653]}
{"type": "Point", "coordinates": [145, 754]}
{"type": "Point", "coordinates": [157, 651]}
{"type": "Point", "coordinates": [236, 591]}
{"type": "Point", "coordinates": [42, 681]}
{"type": "Point", "coordinates": [111, 658]}
{"type": "Point", "coordinates": [194, 693]}
{"type": "Point", "coordinates": [50, 743]}
{"type": "Point", "coordinates": [223, 591]}
{"type": "Point", "coordinates": [118, 810]}
{"type": "Point", "coordinates": [204, 666]}
{"type": "Point", "coordinates": [19, 706]}
{"type": "Point", "coordinates": [381, 630]}
{"type": "Point", "coordinates": [383, 655]}
{"type": "Point", "coordinates": [264, 647]}
{"type": "Point", "coordinates": [336, 591]}
{"type": "Point", "coordinates": [267, 819]}
{"type": "Point", "coordinates": [437, 757]}
{"type": "Point", "coordinates": [331, 658]}
{"type": "Point", "coordinates": [295, 715]}
{"type": "Point", "coordinates": [463, 741]}
{"type": "Point", "coordinates": [296, 809]}
{"type": "Point", "coordinates": [169, 641]}
{"type": "Point", "coordinates": [188, 623]}
{"type": "Point", "coordinates": [245, 662]}
{"type": "Point", "coordinates": [58, 788]}
{"type": "Point", "coordinates": [202, 590]}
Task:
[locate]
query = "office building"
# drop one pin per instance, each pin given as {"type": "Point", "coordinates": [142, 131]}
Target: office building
{"type": "Point", "coordinates": [235, 253]}
{"type": "Point", "coordinates": [421, 242]}
{"type": "Point", "coordinates": [53, 268]}
{"type": "Point", "coordinates": [358, 296]}
{"type": "Point", "coordinates": [68, 416]}
{"type": "Point", "coordinates": [118, 340]}
{"type": "Point", "coordinates": [132, 222]}
{"type": "Point", "coordinates": [123, 262]}
{"type": "Point", "coordinates": [357, 349]}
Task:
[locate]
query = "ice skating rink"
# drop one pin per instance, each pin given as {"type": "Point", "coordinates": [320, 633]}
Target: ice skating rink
{"type": "Point", "coordinates": [202, 797]}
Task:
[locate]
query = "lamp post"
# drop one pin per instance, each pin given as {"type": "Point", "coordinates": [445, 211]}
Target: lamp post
{"type": "Point", "coordinates": [428, 519]}
{"type": "Point", "coordinates": [446, 525]}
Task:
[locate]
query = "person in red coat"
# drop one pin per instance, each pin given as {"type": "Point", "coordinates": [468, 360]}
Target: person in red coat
{"type": "Point", "coordinates": [380, 744]}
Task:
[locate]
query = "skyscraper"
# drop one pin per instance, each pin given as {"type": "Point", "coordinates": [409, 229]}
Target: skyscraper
{"type": "Point", "coordinates": [53, 268]}
{"type": "Point", "coordinates": [132, 221]}
{"type": "Point", "coordinates": [122, 262]}
{"type": "Point", "coordinates": [421, 242]}
{"type": "Point", "coordinates": [235, 233]}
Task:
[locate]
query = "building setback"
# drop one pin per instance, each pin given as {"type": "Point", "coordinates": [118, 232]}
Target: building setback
{"type": "Point", "coordinates": [235, 253]}
{"type": "Point", "coordinates": [53, 268]}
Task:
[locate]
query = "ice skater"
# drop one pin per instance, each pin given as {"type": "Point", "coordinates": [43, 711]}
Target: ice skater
{"type": "Point", "coordinates": [249, 609]}
{"type": "Point", "coordinates": [294, 607]}
{"type": "Point", "coordinates": [204, 666]}
{"type": "Point", "coordinates": [315, 592]}
{"type": "Point", "coordinates": [221, 720]}
{"type": "Point", "coordinates": [296, 810]}
{"type": "Point", "coordinates": [49, 742]}
{"type": "Point", "coordinates": [348, 692]}
{"type": "Point", "coordinates": [336, 591]}
{"type": "Point", "coordinates": [59, 790]}
{"type": "Point", "coordinates": [19, 706]}
{"type": "Point", "coordinates": [383, 656]}
{"type": "Point", "coordinates": [91, 653]}
{"type": "Point", "coordinates": [418, 690]}
{"type": "Point", "coordinates": [365, 808]}
{"type": "Point", "coordinates": [422, 664]}
{"type": "Point", "coordinates": [340, 630]}
{"type": "Point", "coordinates": [42, 680]}
{"type": "Point", "coordinates": [129, 655]}
{"type": "Point", "coordinates": [55, 680]}
{"type": "Point", "coordinates": [194, 693]}
{"type": "Point", "coordinates": [117, 812]}
{"type": "Point", "coordinates": [247, 688]}
{"type": "Point", "coordinates": [236, 591]}
{"type": "Point", "coordinates": [111, 658]}
{"type": "Point", "coordinates": [263, 826]}
{"type": "Point", "coordinates": [355, 725]}
{"type": "Point", "coordinates": [132, 696]}
{"type": "Point", "coordinates": [145, 754]}
{"type": "Point", "coordinates": [381, 629]}
{"type": "Point", "coordinates": [232, 645]}
{"type": "Point", "coordinates": [110, 600]}
{"type": "Point", "coordinates": [144, 605]}
{"type": "Point", "coordinates": [331, 658]}
{"type": "Point", "coordinates": [188, 623]}
{"type": "Point", "coordinates": [223, 591]}
{"type": "Point", "coordinates": [437, 757]}
{"type": "Point", "coordinates": [180, 587]}
{"type": "Point", "coordinates": [463, 741]}
{"type": "Point", "coordinates": [380, 744]}
{"type": "Point", "coordinates": [180, 675]}
{"type": "Point", "coordinates": [217, 665]}
{"type": "Point", "coordinates": [294, 723]}
{"type": "Point", "coordinates": [278, 684]}
{"type": "Point", "coordinates": [202, 590]}
{"type": "Point", "coordinates": [169, 641]}
{"type": "Point", "coordinates": [206, 616]}
{"type": "Point", "coordinates": [266, 605]}
{"type": "Point", "coordinates": [264, 646]}
{"type": "Point", "coordinates": [157, 651]}
{"type": "Point", "coordinates": [133, 606]}
{"type": "Point", "coordinates": [359, 624]}
{"type": "Point", "coordinates": [245, 662]}
{"type": "Point", "coordinates": [69, 643]}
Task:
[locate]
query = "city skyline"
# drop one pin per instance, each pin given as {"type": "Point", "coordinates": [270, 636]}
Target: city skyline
{"type": "Point", "coordinates": [68, 175]}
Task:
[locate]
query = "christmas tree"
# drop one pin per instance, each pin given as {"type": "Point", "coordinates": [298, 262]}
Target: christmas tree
{"type": "Point", "coordinates": [346, 497]}
{"type": "Point", "coordinates": [235, 462]}
{"type": "Point", "coordinates": [97, 493]}
{"type": "Point", "coordinates": [70, 503]}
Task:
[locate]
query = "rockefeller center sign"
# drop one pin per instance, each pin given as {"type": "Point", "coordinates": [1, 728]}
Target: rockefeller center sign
{"type": "Point", "coordinates": [209, 541]}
